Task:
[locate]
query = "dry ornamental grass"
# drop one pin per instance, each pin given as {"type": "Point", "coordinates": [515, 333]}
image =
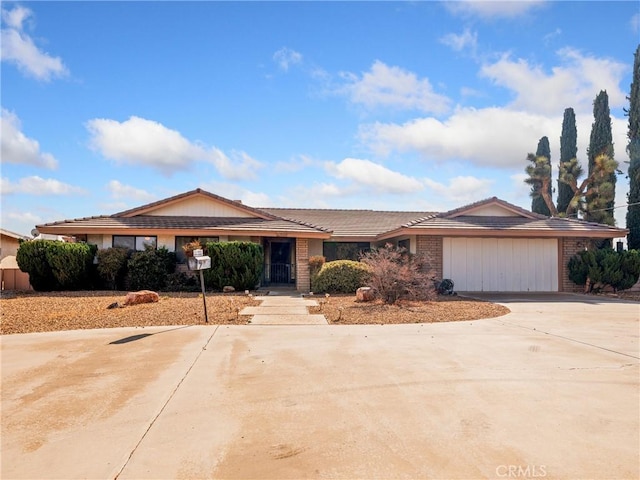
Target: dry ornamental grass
{"type": "Point", "coordinates": [52, 311]}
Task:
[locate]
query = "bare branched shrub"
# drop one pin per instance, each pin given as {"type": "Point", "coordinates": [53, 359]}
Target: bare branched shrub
{"type": "Point", "coordinates": [397, 274]}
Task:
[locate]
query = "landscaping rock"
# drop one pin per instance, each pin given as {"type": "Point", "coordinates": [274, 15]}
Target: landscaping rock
{"type": "Point", "coordinates": [143, 296]}
{"type": "Point", "coordinates": [228, 289]}
{"type": "Point", "coordinates": [365, 294]}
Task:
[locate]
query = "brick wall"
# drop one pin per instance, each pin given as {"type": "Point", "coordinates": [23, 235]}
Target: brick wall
{"type": "Point", "coordinates": [432, 246]}
{"type": "Point", "coordinates": [568, 248]}
{"type": "Point", "coordinates": [303, 279]}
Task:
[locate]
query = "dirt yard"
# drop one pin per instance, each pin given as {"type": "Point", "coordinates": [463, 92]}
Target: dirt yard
{"type": "Point", "coordinates": [42, 312]}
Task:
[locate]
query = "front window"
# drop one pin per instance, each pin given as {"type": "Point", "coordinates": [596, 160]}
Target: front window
{"type": "Point", "coordinates": [344, 250]}
{"type": "Point", "coordinates": [132, 242]}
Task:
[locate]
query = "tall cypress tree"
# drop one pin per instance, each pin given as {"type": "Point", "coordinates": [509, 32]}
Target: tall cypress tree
{"type": "Point", "coordinates": [601, 193]}
{"type": "Point", "coordinates": [538, 205]}
{"type": "Point", "coordinates": [633, 149]}
{"type": "Point", "coordinates": [568, 150]}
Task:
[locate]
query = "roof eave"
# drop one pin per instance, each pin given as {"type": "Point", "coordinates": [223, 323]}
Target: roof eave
{"type": "Point", "coordinates": [520, 232]}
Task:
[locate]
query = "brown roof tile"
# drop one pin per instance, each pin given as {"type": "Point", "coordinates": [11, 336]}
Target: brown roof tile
{"type": "Point", "coordinates": [513, 223]}
{"type": "Point", "coordinates": [350, 223]}
{"type": "Point", "coordinates": [155, 222]}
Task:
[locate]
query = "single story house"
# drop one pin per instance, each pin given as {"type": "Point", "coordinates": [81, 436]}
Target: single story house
{"type": "Point", "coordinates": [487, 246]}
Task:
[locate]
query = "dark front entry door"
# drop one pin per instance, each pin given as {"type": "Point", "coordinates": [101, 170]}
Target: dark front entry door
{"type": "Point", "coordinates": [280, 262]}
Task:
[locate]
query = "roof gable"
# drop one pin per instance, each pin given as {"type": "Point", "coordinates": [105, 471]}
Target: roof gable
{"type": "Point", "coordinates": [491, 207]}
{"type": "Point", "coordinates": [196, 203]}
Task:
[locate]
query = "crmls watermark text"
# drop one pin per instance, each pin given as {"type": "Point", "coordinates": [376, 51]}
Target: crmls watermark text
{"type": "Point", "coordinates": [521, 471]}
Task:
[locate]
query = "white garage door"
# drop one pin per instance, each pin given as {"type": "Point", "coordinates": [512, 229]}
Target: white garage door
{"type": "Point", "coordinates": [501, 264]}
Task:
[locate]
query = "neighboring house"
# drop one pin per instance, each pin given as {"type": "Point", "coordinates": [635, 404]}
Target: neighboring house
{"type": "Point", "coordinates": [490, 245]}
{"type": "Point", "coordinates": [11, 277]}
{"type": "Point", "coordinates": [9, 242]}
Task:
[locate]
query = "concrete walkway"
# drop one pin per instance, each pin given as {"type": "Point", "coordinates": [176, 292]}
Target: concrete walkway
{"type": "Point", "coordinates": [283, 309]}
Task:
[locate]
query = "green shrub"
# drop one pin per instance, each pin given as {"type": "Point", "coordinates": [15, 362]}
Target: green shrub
{"type": "Point", "coordinates": [237, 264]}
{"type": "Point", "coordinates": [56, 265]}
{"type": "Point", "coordinates": [112, 267]}
{"type": "Point", "coordinates": [597, 269]}
{"type": "Point", "coordinates": [341, 276]}
{"type": "Point", "coordinates": [150, 269]}
{"type": "Point", "coordinates": [72, 264]}
{"type": "Point", "coordinates": [32, 259]}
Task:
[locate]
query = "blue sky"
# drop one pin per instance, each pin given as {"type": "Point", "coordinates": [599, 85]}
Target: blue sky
{"type": "Point", "coordinates": [382, 105]}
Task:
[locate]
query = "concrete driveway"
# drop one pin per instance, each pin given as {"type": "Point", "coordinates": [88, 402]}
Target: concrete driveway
{"type": "Point", "coordinates": [550, 390]}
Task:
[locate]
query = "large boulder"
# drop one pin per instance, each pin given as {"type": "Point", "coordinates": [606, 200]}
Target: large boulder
{"type": "Point", "coordinates": [365, 294]}
{"type": "Point", "coordinates": [142, 296]}
{"type": "Point", "coordinates": [228, 289]}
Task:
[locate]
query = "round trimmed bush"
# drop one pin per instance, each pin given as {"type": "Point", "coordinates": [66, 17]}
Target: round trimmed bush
{"type": "Point", "coordinates": [341, 276]}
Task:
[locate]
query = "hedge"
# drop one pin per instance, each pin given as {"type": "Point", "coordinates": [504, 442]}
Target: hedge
{"type": "Point", "coordinates": [605, 267]}
{"type": "Point", "coordinates": [236, 264]}
{"type": "Point", "coordinates": [57, 265]}
{"type": "Point", "coordinates": [150, 269]}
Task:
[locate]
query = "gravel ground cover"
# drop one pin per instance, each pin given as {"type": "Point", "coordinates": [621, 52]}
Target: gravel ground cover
{"type": "Point", "coordinates": [28, 312]}
{"type": "Point", "coordinates": [343, 309]}
{"type": "Point", "coordinates": [50, 311]}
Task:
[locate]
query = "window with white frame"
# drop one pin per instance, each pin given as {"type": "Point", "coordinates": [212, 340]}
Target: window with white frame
{"type": "Point", "coordinates": [135, 242]}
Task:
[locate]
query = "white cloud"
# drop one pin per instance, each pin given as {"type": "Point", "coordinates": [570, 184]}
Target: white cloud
{"type": "Point", "coordinates": [235, 192]}
{"type": "Point", "coordinates": [16, 147]}
{"type": "Point", "coordinates": [551, 36]}
{"type": "Point", "coordinates": [285, 57]}
{"type": "Point", "coordinates": [25, 217]}
{"type": "Point", "coordinates": [296, 164]}
{"type": "Point", "coordinates": [574, 83]}
{"type": "Point", "coordinates": [520, 189]}
{"type": "Point", "coordinates": [460, 190]}
{"type": "Point", "coordinates": [16, 17]}
{"type": "Point", "coordinates": [120, 191]}
{"type": "Point", "coordinates": [139, 141]}
{"type": "Point", "coordinates": [372, 175]}
{"type": "Point", "coordinates": [240, 166]}
{"type": "Point", "coordinates": [19, 48]}
{"type": "Point", "coordinates": [393, 87]}
{"type": "Point", "coordinates": [469, 134]}
{"type": "Point", "coordinates": [318, 195]}
{"type": "Point", "coordinates": [143, 142]}
{"type": "Point", "coordinates": [35, 185]}
{"type": "Point", "coordinates": [20, 221]}
{"type": "Point", "coordinates": [466, 40]}
{"type": "Point", "coordinates": [634, 21]}
{"type": "Point", "coordinates": [492, 9]}
{"type": "Point", "coordinates": [494, 137]}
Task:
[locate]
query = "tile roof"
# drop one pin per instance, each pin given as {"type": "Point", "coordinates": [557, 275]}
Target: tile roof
{"type": "Point", "coordinates": [155, 222]}
{"type": "Point", "coordinates": [340, 224]}
{"type": "Point", "coordinates": [350, 223]}
{"type": "Point", "coordinates": [557, 225]}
